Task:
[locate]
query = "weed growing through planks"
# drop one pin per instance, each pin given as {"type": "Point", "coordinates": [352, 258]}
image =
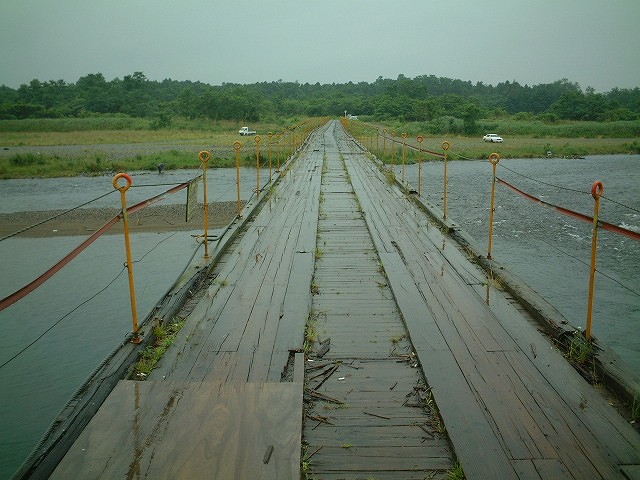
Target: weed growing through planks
{"type": "Point", "coordinates": [315, 288]}
{"type": "Point", "coordinates": [455, 473]}
{"type": "Point", "coordinates": [310, 333]}
{"type": "Point", "coordinates": [319, 253]}
{"type": "Point", "coordinates": [390, 176]}
{"type": "Point", "coordinates": [150, 356]}
{"type": "Point", "coordinates": [580, 349]}
{"type": "Point", "coordinates": [635, 410]}
{"type": "Point", "coordinates": [304, 461]}
{"type": "Point", "coordinates": [346, 445]}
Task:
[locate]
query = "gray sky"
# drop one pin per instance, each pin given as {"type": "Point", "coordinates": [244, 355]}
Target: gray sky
{"type": "Point", "coordinates": [593, 42]}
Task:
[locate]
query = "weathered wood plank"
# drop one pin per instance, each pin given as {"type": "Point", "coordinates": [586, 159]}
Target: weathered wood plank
{"type": "Point", "coordinates": [358, 458]}
{"type": "Point", "coordinates": [228, 429]}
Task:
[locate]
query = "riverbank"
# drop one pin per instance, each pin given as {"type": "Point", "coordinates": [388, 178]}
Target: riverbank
{"type": "Point", "coordinates": [162, 218]}
{"type": "Point", "coordinates": [47, 154]}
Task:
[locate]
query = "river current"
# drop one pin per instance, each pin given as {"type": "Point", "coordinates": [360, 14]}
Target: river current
{"type": "Point", "coordinates": [57, 336]}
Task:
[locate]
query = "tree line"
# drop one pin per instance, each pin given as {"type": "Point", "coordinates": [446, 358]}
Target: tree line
{"type": "Point", "coordinates": [425, 98]}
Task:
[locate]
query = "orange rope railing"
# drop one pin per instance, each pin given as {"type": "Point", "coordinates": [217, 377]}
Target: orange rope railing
{"type": "Point", "coordinates": [30, 287]}
{"type": "Point", "coordinates": [586, 218]}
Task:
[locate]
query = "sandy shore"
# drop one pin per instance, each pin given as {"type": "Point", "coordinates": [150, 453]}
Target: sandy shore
{"type": "Point", "coordinates": [84, 221]}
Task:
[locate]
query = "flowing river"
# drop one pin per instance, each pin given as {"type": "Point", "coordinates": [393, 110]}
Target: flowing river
{"type": "Point", "coordinates": [58, 335]}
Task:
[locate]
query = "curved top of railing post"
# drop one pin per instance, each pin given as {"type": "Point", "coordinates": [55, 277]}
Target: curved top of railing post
{"type": "Point", "coordinates": [237, 146]}
{"type": "Point", "coordinates": [494, 158]}
{"type": "Point", "coordinates": [597, 189]}
{"type": "Point", "coordinates": [446, 145]}
{"type": "Point", "coordinates": [204, 156]}
{"type": "Point", "coordinates": [122, 188]}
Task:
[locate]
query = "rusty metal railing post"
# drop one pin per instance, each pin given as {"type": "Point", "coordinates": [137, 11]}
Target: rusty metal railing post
{"type": "Point", "coordinates": [125, 220]}
{"type": "Point", "coordinates": [279, 135]}
{"type": "Point", "coordinates": [494, 158]}
{"type": "Point", "coordinates": [404, 153]}
{"type": "Point", "coordinates": [393, 145]}
{"type": "Point", "coordinates": [258, 139]}
{"type": "Point", "coordinates": [237, 146]}
{"type": "Point", "coordinates": [445, 147]}
{"type": "Point", "coordinates": [270, 167]}
{"type": "Point", "coordinates": [384, 146]}
{"type": "Point", "coordinates": [420, 139]}
{"type": "Point", "coordinates": [596, 191]}
{"type": "Point", "coordinates": [204, 157]}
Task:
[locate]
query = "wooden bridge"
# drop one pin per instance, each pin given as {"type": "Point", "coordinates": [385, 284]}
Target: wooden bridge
{"type": "Point", "coordinates": [343, 335]}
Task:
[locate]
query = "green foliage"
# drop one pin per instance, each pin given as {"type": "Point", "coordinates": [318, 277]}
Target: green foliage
{"type": "Point", "coordinates": [455, 473]}
{"type": "Point", "coordinates": [580, 349]}
{"type": "Point", "coordinates": [26, 160]}
{"type": "Point", "coordinates": [635, 410]}
{"type": "Point", "coordinates": [424, 98]}
{"type": "Point", "coordinates": [149, 357]}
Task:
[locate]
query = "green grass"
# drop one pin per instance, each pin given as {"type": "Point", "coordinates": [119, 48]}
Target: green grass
{"type": "Point", "coordinates": [310, 333]}
{"type": "Point", "coordinates": [580, 349]}
{"type": "Point", "coordinates": [149, 357]}
{"type": "Point", "coordinates": [31, 165]}
{"type": "Point", "coordinates": [528, 138]}
{"type": "Point", "coordinates": [455, 473]}
{"type": "Point", "coordinates": [635, 410]}
{"type": "Point", "coordinates": [190, 136]}
{"type": "Point", "coordinates": [523, 139]}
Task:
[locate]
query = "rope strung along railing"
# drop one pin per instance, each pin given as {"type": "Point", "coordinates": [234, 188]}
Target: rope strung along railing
{"type": "Point", "coordinates": [597, 191]}
{"type": "Point", "coordinates": [30, 287]}
{"type": "Point", "coordinates": [361, 129]}
{"type": "Point", "coordinates": [586, 218]}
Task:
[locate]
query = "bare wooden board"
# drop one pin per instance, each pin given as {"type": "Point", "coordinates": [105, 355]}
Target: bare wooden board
{"type": "Point", "coordinates": [191, 430]}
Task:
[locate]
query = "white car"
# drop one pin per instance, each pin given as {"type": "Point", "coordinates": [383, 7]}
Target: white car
{"type": "Point", "coordinates": [492, 137]}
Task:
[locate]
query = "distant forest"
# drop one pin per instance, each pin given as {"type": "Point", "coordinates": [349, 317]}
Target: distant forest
{"type": "Point", "coordinates": [424, 98]}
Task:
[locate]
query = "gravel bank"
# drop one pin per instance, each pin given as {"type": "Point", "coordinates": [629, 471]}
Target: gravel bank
{"type": "Point", "coordinates": [84, 221]}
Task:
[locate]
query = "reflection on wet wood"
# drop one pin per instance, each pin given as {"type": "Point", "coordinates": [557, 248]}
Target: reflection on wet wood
{"type": "Point", "coordinates": [191, 430]}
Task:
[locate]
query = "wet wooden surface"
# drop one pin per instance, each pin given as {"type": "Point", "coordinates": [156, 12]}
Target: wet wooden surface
{"type": "Point", "coordinates": [372, 418]}
{"type": "Point", "coordinates": [170, 430]}
{"type": "Point", "coordinates": [406, 315]}
{"type": "Point", "coordinates": [513, 407]}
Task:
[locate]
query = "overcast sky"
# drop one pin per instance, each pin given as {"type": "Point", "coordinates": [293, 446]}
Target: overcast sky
{"type": "Point", "coordinates": [592, 42]}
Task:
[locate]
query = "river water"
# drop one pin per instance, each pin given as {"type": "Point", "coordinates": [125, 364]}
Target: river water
{"type": "Point", "coordinates": [65, 339]}
{"type": "Point", "coordinates": [550, 251]}
{"type": "Point", "coordinates": [52, 340]}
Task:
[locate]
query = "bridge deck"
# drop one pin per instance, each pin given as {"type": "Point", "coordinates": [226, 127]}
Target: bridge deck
{"type": "Point", "coordinates": [386, 283]}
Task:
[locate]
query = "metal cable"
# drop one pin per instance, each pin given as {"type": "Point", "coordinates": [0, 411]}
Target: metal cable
{"type": "Point", "coordinates": [61, 319]}
{"type": "Point", "coordinates": [56, 216]}
{"type": "Point", "coordinates": [546, 183]}
{"type": "Point", "coordinates": [587, 265]}
{"type": "Point", "coordinates": [462, 157]}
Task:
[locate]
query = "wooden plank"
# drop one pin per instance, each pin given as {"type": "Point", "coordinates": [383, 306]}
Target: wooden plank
{"type": "Point", "coordinates": [369, 436]}
{"type": "Point", "coordinates": [526, 470]}
{"type": "Point", "coordinates": [631, 472]}
{"type": "Point", "coordinates": [477, 446]}
{"type": "Point", "coordinates": [228, 429]}
{"type": "Point", "coordinates": [380, 459]}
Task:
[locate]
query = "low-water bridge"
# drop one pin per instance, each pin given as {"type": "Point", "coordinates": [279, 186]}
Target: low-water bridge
{"type": "Point", "coordinates": [343, 334]}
